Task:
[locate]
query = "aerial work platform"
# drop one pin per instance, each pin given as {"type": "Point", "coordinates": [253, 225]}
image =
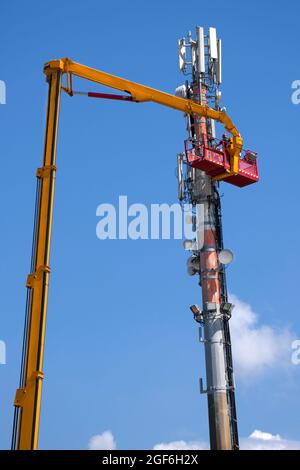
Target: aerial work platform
{"type": "Point", "coordinates": [216, 160]}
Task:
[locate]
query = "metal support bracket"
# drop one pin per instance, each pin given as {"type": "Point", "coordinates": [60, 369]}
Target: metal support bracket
{"type": "Point", "coordinates": [33, 277]}
{"type": "Point", "coordinates": [45, 171]}
{"type": "Point", "coordinates": [20, 397]}
{"type": "Point", "coordinates": [203, 390]}
{"type": "Point", "coordinates": [201, 337]}
{"type": "Point", "coordinates": [206, 391]}
{"type": "Point", "coordinates": [21, 392]}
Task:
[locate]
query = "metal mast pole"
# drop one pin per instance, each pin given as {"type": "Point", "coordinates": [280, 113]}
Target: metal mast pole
{"type": "Point", "coordinates": [201, 189]}
{"type": "Point", "coordinates": [28, 396]}
{"type": "Point", "coordinates": [216, 380]}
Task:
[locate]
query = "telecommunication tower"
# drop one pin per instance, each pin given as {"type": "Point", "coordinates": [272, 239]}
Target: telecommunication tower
{"type": "Point", "coordinates": [200, 59]}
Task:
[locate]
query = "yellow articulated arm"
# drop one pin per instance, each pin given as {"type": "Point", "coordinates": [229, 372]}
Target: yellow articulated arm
{"type": "Point", "coordinates": [143, 93]}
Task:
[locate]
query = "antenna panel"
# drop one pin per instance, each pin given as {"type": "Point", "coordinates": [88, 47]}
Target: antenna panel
{"type": "Point", "coordinates": [213, 46]}
{"type": "Point", "coordinates": [182, 54]}
{"type": "Point", "coordinates": [201, 50]}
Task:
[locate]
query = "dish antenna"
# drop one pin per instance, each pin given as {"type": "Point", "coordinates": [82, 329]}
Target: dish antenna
{"type": "Point", "coordinates": [225, 257]}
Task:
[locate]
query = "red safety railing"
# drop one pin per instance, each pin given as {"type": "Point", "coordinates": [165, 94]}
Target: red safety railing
{"type": "Point", "coordinates": [215, 160]}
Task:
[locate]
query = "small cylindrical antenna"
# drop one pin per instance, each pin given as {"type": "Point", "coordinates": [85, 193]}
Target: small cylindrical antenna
{"type": "Point", "coordinates": [180, 177]}
{"type": "Point", "coordinates": [219, 66]}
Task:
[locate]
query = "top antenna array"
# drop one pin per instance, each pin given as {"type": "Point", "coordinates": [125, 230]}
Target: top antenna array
{"type": "Point", "coordinates": [202, 56]}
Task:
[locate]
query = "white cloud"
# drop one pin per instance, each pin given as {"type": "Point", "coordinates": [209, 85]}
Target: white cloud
{"type": "Point", "coordinates": [264, 436]}
{"type": "Point", "coordinates": [257, 347]}
{"type": "Point", "coordinates": [181, 445]}
{"type": "Point", "coordinates": [258, 440]}
{"type": "Point", "coordinates": [104, 441]}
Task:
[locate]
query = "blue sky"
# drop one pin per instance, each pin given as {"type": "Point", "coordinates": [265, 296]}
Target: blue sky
{"type": "Point", "coordinates": [121, 348]}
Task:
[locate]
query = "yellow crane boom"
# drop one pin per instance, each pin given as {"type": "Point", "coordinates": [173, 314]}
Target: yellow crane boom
{"type": "Point", "coordinates": [28, 396]}
{"type": "Point", "coordinates": [142, 93]}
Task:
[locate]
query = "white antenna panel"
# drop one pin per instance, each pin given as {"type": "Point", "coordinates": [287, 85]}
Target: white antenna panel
{"type": "Point", "coordinates": [182, 54]}
{"type": "Point", "coordinates": [213, 46]}
{"type": "Point", "coordinates": [194, 55]}
{"type": "Point", "coordinates": [213, 128]}
{"type": "Point", "coordinates": [201, 50]}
